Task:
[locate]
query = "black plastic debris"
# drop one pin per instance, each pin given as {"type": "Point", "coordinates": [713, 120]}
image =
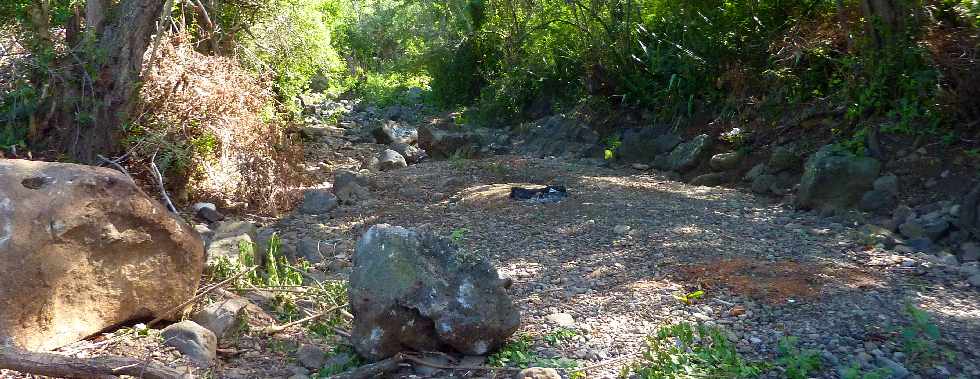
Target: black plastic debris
{"type": "Point", "coordinates": [547, 194]}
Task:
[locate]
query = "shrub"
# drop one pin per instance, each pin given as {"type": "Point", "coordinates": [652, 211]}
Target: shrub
{"type": "Point", "coordinates": [211, 126]}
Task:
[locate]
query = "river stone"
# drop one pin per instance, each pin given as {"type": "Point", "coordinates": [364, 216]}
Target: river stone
{"type": "Point", "coordinates": [411, 153]}
{"type": "Point", "coordinates": [725, 161]}
{"type": "Point", "coordinates": [195, 342]}
{"type": "Point", "coordinates": [221, 317]}
{"type": "Point", "coordinates": [391, 160]}
{"type": "Point", "coordinates": [834, 179]}
{"type": "Point", "coordinates": [417, 291]}
{"type": "Point", "coordinates": [84, 249]}
{"type": "Point", "coordinates": [318, 201]}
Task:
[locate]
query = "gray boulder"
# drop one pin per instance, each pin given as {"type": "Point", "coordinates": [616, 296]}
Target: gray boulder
{"type": "Point", "coordinates": [784, 158]}
{"type": "Point", "coordinates": [969, 214]}
{"type": "Point", "coordinates": [411, 290]}
{"type": "Point", "coordinates": [762, 183]}
{"type": "Point", "coordinates": [756, 171]}
{"type": "Point", "coordinates": [318, 201]}
{"type": "Point", "coordinates": [391, 160]}
{"type": "Point", "coordinates": [725, 161]}
{"type": "Point", "coordinates": [877, 201]}
{"type": "Point", "coordinates": [195, 342]}
{"type": "Point", "coordinates": [393, 132]}
{"type": "Point", "coordinates": [685, 156]}
{"type": "Point", "coordinates": [835, 179]}
{"type": "Point", "coordinates": [887, 184]}
{"type": "Point", "coordinates": [561, 136]}
{"type": "Point", "coordinates": [222, 317]}
{"type": "Point", "coordinates": [644, 144]}
{"type": "Point", "coordinates": [440, 142]}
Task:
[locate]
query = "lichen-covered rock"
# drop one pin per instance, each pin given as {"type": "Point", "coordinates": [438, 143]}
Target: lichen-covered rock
{"type": "Point", "coordinates": [411, 290]}
{"type": "Point", "coordinates": [836, 179]}
{"type": "Point", "coordinates": [686, 155]}
{"type": "Point", "coordinates": [85, 249]}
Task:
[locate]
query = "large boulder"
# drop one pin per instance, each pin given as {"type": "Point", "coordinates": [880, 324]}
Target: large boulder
{"type": "Point", "coordinates": [442, 142]}
{"type": "Point", "coordinates": [644, 144]}
{"type": "Point", "coordinates": [85, 249]}
{"type": "Point", "coordinates": [685, 156]}
{"type": "Point", "coordinates": [416, 291]}
{"type": "Point", "coordinates": [834, 178]}
{"type": "Point", "coordinates": [560, 136]}
{"type": "Point", "coordinates": [969, 219]}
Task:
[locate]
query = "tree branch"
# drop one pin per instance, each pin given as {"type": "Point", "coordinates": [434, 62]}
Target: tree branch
{"type": "Point", "coordinates": [61, 366]}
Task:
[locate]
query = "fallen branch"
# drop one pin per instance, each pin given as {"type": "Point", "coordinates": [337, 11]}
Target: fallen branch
{"type": "Point", "coordinates": [61, 366]}
{"type": "Point", "coordinates": [159, 178]}
{"type": "Point", "coordinates": [278, 328]}
{"type": "Point", "coordinates": [447, 367]}
{"type": "Point", "coordinates": [198, 296]}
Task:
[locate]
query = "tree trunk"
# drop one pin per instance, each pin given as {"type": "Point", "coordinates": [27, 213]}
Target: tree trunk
{"type": "Point", "coordinates": [885, 20]}
{"type": "Point", "coordinates": [84, 114]}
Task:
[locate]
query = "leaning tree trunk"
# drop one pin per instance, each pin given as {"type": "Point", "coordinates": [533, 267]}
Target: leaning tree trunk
{"type": "Point", "coordinates": [87, 109]}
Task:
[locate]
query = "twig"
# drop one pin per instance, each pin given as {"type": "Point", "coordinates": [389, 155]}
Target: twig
{"type": "Point", "coordinates": [373, 370]}
{"type": "Point", "coordinates": [278, 328]}
{"type": "Point", "coordinates": [198, 297]}
{"type": "Point", "coordinates": [159, 178]}
{"type": "Point", "coordinates": [117, 166]}
{"type": "Point", "coordinates": [447, 367]}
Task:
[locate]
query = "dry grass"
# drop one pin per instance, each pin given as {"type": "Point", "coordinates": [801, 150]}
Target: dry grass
{"type": "Point", "coordinates": [212, 126]}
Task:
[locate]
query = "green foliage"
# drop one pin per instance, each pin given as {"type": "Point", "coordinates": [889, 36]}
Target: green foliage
{"type": "Point", "coordinates": [612, 143]}
{"type": "Point", "coordinates": [855, 372]}
{"type": "Point", "coordinates": [518, 353]}
{"type": "Point", "coordinates": [690, 298]}
{"type": "Point", "coordinates": [355, 361]}
{"type": "Point", "coordinates": [685, 350]}
{"type": "Point", "coordinates": [277, 273]}
{"type": "Point", "coordinates": [560, 336]}
{"type": "Point", "coordinates": [920, 338]}
{"type": "Point", "coordinates": [458, 234]}
{"type": "Point", "coordinates": [799, 364]}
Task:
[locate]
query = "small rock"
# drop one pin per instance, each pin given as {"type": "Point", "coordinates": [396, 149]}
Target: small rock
{"type": "Point", "coordinates": [640, 166]}
{"type": "Point", "coordinates": [195, 342]}
{"type": "Point", "coordinates": [338, 361]}
{"type": "Point", "coordinates": [922, 228]}
{"type": "Point", "coordinates": [207, 212]}
{"type": "Point", "coordinates": [564, 320]}
{"type": "Point", "coordinates": [755, 172]}
{"type": "Point", "coordinates": [897, 370]}
{"type": "Point", "coordinates": [411, 153]}
{"type": "Point", "coordinates": [538, 373]}
{"type": "Point", "coordinates": [877, 200]}
{"type": "Point", "coordinates": [391, 160]}
{"type": "Point", "coordinates": [948, 259]}
{"type": "Point", "coordinates": [318, 201]}
{"type": "Point", "coordinates": [222, 316]}
{"type": "Point", "coordinates": [621, 229]}
{"type": "Point", "coordinates": [710, 179]}
{"type": "Point", "coordinates": [311, 357]}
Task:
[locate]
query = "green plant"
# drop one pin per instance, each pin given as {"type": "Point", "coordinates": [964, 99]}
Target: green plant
{"type": "Point", "coordinates": [691, 297]}
{"type": "Point", "coordinates": [337, 368]}
{"type": "Point", "coordinates": [799, 364]}
{"type": "Point", "coordinates": [920, 338]}
{"type": "Point", "coordinates": [560, 335]}
{"type": "Point", "coordinates": [518, 353]}
{"type": "Point", "coordinates": [458, 234]}
{"type": "Point", "coordinates": [684, 350]}
{"type": "Point", "coordinates": [612, 143]}
{"type": "Point", "coordinates": [855, 372]}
